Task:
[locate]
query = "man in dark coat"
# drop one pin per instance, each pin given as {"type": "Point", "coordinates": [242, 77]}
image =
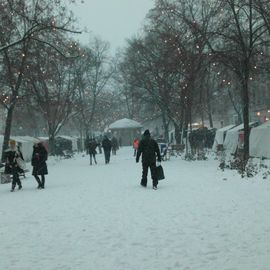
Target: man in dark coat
{"type": "Point", "coordinates": [149, 150]}
{"type": "Point", "coordinates": [114, 145]}
{"type": "Point", "coordinates": [38, 162]}
{"type": "Point", "coordinates": [107, 146]}
{"type": "Point", "coordinates": [92, 145]}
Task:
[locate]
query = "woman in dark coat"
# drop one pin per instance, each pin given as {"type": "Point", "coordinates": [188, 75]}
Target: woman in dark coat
{"type": "Point", "coordinates": [92, 150]}
{"type": "Point", "coordinates": [39, 158]}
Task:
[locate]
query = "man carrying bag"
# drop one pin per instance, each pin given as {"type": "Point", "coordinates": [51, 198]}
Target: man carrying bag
{"type": "Point", "coordinates": [149, 150]}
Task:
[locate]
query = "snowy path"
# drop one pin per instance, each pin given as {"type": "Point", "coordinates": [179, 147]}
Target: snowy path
{"type": "Point", "coordinates": [99, 218]}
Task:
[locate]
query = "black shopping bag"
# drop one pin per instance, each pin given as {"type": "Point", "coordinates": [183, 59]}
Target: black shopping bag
{"type": "Point", "coordinates": [160, 173]}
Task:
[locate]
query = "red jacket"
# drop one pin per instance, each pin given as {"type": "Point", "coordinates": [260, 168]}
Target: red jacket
{"type": "Point", "coordinates": [136, 144]}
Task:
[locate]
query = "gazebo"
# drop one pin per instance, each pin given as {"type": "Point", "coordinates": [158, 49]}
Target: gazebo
{"type": "Point", "coordinates": [125, 130]}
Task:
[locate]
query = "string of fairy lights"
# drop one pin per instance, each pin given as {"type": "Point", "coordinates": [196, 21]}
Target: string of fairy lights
{"type": "Point", "coordinates": [169, 12]}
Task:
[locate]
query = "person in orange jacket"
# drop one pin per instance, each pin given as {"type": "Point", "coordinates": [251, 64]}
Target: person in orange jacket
{"type": "Point", "coordinates": [135, 146]}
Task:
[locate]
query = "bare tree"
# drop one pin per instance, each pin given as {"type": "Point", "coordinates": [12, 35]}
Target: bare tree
{"type": "Point", "coordinates": [240, 37]}
{"type": "Point", "coordinates": [22, 24]}
{"type": "Point", "coordinates": [93, 73]}
{"type": "Point", "coordinates": [32, 20]}
{"type": "Point", "coordinates": [53, 85]}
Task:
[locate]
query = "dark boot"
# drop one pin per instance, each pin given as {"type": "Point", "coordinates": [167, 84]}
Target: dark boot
{"type": "Point", "coordinates": [42, 181]}
{"type": "Point", "coordinates": [38, 181]}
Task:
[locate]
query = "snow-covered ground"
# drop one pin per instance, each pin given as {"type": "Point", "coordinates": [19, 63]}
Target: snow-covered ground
{"type": "Point", "coordinates": [99, 218]}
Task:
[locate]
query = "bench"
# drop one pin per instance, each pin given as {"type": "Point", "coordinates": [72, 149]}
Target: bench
{"type": "Point", "coordinates": [163, 147]}
{"type": "Point", "coordinates": [66, 154]}
{"type": "Point", "coordinates": [176, 149]}
{"type": "Point", "coordinates": [7, 178]}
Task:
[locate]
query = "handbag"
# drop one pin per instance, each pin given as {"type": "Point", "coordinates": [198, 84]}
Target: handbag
{"type": "Point", "coordinates": [21, 163]}
{"type": "Point", "coordinates": [160, 173]}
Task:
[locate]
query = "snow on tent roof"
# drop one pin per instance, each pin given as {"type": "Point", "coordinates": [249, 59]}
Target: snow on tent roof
{"type": "Point", "coordinates": [125, 123]}
{"type": "Point", "coordinates": [241, 126]}
{"type": "Point", "coordinates": [226, 128]}
{"type": "Point", "coordinates": [26, 138]}
{"type": "Point", "coordinates": [43, 138]}
{"type": "Point", "coordinates": [264, 125]}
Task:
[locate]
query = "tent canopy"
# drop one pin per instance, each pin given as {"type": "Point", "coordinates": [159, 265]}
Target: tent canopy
{"type": "Point", "coordinates": [231, 141]}
{"type": "Point", "coordinates": [259, 141]}
{"type": "Point", "coordinates": [219, 137]}
{"type": "Point", "coordinates": [125, 124]}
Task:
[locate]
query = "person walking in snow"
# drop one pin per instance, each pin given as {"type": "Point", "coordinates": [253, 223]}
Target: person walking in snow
{"type": "Point", "coordinates": [135, 146]}
{"type": "Point", "coordinates": [92, 145]}
{"type": "Point", "coordinates": [99, 142]}
{"type": "Point", "coordinates": [12, 165]}
{"type": "Point", "coordinates": [115, 146]}
{"type": "Point", "coordinates": [120, 142]}
{"type": "Point", "coordinates": [149, 150]}
{"type": "Point", "coordinates": [39, 157]}
{"type": "Point", "coordinates": [107, 147]}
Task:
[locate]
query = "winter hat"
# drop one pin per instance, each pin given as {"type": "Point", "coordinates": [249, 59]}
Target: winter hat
{"type": "Point", "coordinates": [146, 133]}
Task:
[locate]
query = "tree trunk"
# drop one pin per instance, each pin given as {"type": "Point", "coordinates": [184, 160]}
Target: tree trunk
{"type": "Point", "coordinates": [209, 107]}
{"type": "Point", "coordinates": [91, 118]}
{"type": "Point", "coordinates": [178, 135]}
{"type": "Point", "coordinates": [166, 126]}
{"type": "Point", "coordinates": [7, 131]}
{"type": "Point", "coordinates": [51, 144]}
{"type": "Point", "coordinates": [246, 118]}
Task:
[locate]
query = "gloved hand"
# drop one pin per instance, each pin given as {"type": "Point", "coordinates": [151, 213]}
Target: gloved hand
{"type": "Point", "coordinates": [137, 160]}
{"type": "Point", "coordinates": [158, 163]}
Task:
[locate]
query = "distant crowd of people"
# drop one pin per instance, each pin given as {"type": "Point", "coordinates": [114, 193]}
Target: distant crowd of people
{"type": "Point", "coordinates": [147, 148]}
{"type": "Point", "coordinates": [109, 146]}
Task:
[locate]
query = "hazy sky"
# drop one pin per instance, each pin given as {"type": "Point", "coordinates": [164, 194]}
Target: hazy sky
{"type": "Point", "coordinates": [111, 20]}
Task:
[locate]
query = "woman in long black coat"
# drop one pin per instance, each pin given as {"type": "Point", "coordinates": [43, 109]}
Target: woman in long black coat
{"type": "Point", "coordinates": [92, 150]}
{"type": "Point", "coordinates": [39, 158]}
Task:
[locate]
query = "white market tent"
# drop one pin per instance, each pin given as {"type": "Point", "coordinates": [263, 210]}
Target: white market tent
{"type": "Point", "coordinates": [232, 138]}
{"type": "Point", "coordinates": [126, 130]}
{"type": "Point", "coordinates": [259, 141]}
{"type": "Point", "coordinates": [220, 136]}
{"type": "Point", "coordinates": [124, 124]}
